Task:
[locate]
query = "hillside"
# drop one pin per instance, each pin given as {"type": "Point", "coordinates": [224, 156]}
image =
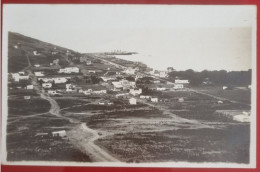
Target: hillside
{"type": "Point", "coordinates": [20, 46]}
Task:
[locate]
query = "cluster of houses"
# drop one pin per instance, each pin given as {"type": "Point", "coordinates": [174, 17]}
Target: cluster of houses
{"type": "Point", "coordinates": [69, 70]}
{"type": "Point", "coordinates": [19, 76]}
{"type": "Point", "coordinates": [123, 88]}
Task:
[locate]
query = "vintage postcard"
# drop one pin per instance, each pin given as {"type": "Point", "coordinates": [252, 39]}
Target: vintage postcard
{"type": "Point", "coordinates": [129, 85]}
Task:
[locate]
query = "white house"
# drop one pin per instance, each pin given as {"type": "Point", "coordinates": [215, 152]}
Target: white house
{"type": "Point", "coordinates": [135, 92]}
{"type": "Point", "coordinates": [132, 101]}
{"type": "Point", "coordinates": [55, 62]}
{"type": "Point", "coordinates": [61, 133]}
{"type": "Point", "coordinates": [29, 87]}
{"type": "Point", "coordinates": [181, 81]}
{"type": "Point", "coordinates": [17, 77]}
{"type": "Point", "coordinates": [224, 87]}
{"type": "Point", "coordinates": [21, 73]}
{"type": "Point", "coordinates": [52, 92]}
{"type": "Point", "coordinates": [46, 85]}
{"type": "Point", "coordinates": [88, 62]}
{"type": "Point", "coordinates": [144, 97]}
{"type": "Point", "coordinates": [91, 71]}
{"type": "Point", "coordinates": [122, 95]}
{"type": "Point", "coordinates": [27, 97]}
{"type": "Point", "coordinates": [38, 74]}
{"type": "Point", "coordinates": [156, 82]}
{"type": "Point", "coordinates": [241, 118]}
{"type": "Point", "coordinates": [154, 99]}
{"type": "Point", "coordinates": [169, 83]}
{"type": "Point", "coordinates": [37, 65]}
{"type": "Point", "coordinates": [160, 88]}
{"type": "Point", "coordinates": [60, 80]}
{"type": "Point", "coordinates": [117, 86]}
{"type": "Point", "coordinates": [181, 99]}
{"type": "Point", "coordinates": [87, 92]}
{"type": "Point", "coordinates": [129, 71]}
{"type": "Point", "coordinates": [220, 102]}
{"type": "Point", "coordinates": [69, 87]}
{"type": "Point", "coordinates": [178, 86]}
{"type": "Point", "coordinates": [24, 77]}
{"type": "Point", "coordinates": [69, 70]}
{"type": "Point", "coordinates": [36, 53]}
{"type": "Point", "coordinates": [99, 92]}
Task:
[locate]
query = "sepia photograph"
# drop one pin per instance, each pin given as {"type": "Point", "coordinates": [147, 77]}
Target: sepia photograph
{"type": "Point", "coordinates": [129, 85]}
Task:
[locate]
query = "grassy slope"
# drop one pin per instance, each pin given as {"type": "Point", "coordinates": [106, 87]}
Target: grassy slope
{"type": "Point", "coordinates": [17, 60]}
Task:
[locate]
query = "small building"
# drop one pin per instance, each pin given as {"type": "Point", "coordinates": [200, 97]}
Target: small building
{"type": "Point", "coordinates": [69, 87]}
{"type": "Point", "coordinates": [46, 85]}
{"type": "Point", "coordinates": [224, 87]}
{"type": "Point", "coordinates": [88, 62]}
{"type": "Point", "coordinates": [122, 95]}
{"type": "Point", "coordinates": [69, 70]}
{"type": "Point", "coordinates": [41, 135]}
{"type": "Point", "coordinates": [92, 71]}
{"type": "Point", "coordinates": [99, 91]}
{"type": "Point", "coordinates": [17, 77]}
{"type": "Point", "coordinates": [241, 118]}
{"type": "Point", "coordinates": [178, 86]}
{"type": "Point", "coordinates": [160, 88]}
{"type": "Point", "coordinates": [144, 97]}
{"type": "Point", "coordinates": [37, 65]}
{"type": "Point", "coordinates": [135, 92]}
{"type": "Point", "coordinates": [181, 81]}
{"type": "Point", "coordinates": [156, 82]}
{"type": "Point", "coordinates": [55, 62]}
{"type": "Point", "coordinates": [38, 74]}
{"type": "Point", "coordinates": [220, 102]}
{"type": "Point", "coordinates": [61, 133]}
{"type": "Point", "coordinates": [21, 73]}
{"type": "Point", "coordinates": [181, 99]}
{"type": "Point", "coordinates": [36, 53]}
{"type": "Point", "coordinates": [52, 92]}
{"type": "Point", "coordinates": [15, 46]}
{"type": "Point", "coordinates": [29, 87]}
{"type": "Point", "coordinates": [129, 71]}
{"type": "Point", "coordinates": [27, 97]}
{"type": "Point", "coordinates": [117, 86]}
{"type": "Point", "coordinates": [169, 83]}
{"type": "Point", "coordinates": [24, 77]}
{"type": "Point", "coordinates": [132, 101]}
{"type": "Point", "coordinates": [154, 99]}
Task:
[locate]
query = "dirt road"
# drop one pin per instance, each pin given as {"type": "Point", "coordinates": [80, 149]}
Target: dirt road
{"type": "Point", "coordinates": [84, 137]}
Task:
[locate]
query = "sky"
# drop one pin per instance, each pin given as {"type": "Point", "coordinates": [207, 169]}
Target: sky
{"type": "Point", "coordinates": [184, 37]}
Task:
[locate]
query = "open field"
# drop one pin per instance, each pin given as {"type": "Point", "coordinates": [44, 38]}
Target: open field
{"type": "Point", "coordinates": [193, 145]}
{"type": "Point", "coordinates": [27, 107]}
{"type": "Point", "coordinates": [24, 144]}
{"type": "Point", "coordinates": [188, 134]}
{"type": "Point", "coordinates": [239, 95]}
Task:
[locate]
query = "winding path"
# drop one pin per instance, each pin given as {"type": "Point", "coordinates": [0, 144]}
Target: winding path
{"type": "Point", "coordinates": [79, 132]}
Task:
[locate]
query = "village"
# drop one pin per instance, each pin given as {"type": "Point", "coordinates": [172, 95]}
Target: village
{"type": "Point", "coordinates": [99, 99]}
